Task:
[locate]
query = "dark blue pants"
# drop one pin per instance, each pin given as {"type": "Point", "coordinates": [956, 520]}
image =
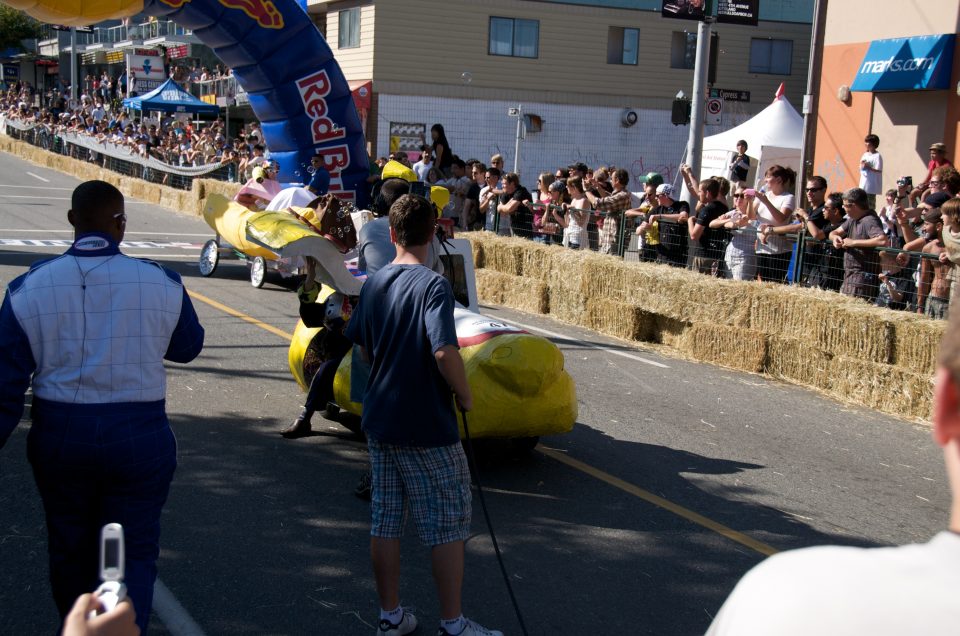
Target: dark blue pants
{"type": "Point", "coordinates": [99, 464]}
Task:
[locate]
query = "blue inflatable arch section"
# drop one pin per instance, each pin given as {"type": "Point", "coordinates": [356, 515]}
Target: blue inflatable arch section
{"type": "Point", "coordinates": [296, 87]}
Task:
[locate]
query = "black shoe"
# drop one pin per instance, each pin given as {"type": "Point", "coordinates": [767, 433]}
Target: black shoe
{"type": "Point", "coordinates": [363, 487]}
{"type": "Point", "coordinates": [300, 427]}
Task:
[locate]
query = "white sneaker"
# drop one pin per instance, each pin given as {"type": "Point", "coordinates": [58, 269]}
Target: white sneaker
{"type": "Point", "coordinates": [472, 629]}
{"type": "Point", "coordinates": [406, 625]}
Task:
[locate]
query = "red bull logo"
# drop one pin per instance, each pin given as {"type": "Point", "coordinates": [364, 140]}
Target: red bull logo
{"type": "Point", "coordinates": [313, 93]}
{"type": "Point", "coordinates": [263, 12]}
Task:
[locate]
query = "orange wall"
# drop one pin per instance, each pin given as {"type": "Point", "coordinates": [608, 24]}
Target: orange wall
{"type": "Point", "coordinates": [951, 134]}
{"type": "Point", "coordinates": [841, 126]}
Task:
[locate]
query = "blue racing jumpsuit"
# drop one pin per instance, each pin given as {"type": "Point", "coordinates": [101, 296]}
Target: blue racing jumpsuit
{"type": "Point", "coordinates": [91, 329]}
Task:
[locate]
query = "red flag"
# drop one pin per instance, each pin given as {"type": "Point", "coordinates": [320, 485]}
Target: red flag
{"type": "Point", "coordinates": [780, 92]}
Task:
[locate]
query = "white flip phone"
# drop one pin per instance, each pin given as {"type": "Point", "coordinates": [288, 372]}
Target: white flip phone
{"type": "Point", "coordinates": [112, 561]}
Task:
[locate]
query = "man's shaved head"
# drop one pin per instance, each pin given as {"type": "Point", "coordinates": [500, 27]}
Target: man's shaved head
{"type": "Point", "coordinates": [95, 207]}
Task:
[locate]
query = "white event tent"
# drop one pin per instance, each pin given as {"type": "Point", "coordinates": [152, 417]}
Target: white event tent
{"type": "Point", "coordinates": [773, 136]}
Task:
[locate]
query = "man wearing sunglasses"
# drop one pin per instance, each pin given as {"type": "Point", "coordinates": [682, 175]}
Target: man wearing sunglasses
{"type": "Point", "coordinates": [89, 330]}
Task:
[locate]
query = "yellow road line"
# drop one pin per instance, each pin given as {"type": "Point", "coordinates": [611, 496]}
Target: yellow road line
{"type": "Point", "coordinates": [240, 315]}
{"type": "Point", "coordinates": [563, 458]}
{"type": "Point", "coordinates": [660, 502]}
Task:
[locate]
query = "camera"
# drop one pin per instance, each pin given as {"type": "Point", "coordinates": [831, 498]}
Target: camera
{"type": "Point", "coordinates": [112, 567]}
{"type": "Point", "coordinates": [905, 181]}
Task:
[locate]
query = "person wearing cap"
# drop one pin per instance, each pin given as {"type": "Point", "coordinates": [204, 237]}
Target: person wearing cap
{"type": "Point", "coordinates": [859, 235]}
{"type": "Point", "coordinates": [933, 291]}
{"type": "Point", "coordinates": [938, 158]}
{"type": "Point", "coordinates": [670, 216]}
{"type": "Point", "coordinates": [888, 591]}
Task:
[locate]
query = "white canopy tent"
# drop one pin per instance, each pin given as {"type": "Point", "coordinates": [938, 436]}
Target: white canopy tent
{"type": "Point", "coordinates": [773, 136]}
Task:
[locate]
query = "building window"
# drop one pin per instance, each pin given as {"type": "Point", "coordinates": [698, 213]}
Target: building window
{"type": "Point", "coordinates": [773, 57]}
{"type": "Point", "coordinates": [514, 37]}
{"type": "Point", "coordinates": [683, 50]}
{"type": "Point", "coordinates": [349, 35]}
{"type": "Point", "coordinates": [623, 46]}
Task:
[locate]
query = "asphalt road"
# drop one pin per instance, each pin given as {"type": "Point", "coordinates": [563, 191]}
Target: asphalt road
{"type": "Point", "coordinates": [676, 479]}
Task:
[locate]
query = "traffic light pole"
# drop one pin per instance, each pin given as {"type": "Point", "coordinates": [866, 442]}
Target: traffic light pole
{"type": "Point", "coordinates": [699, 105]}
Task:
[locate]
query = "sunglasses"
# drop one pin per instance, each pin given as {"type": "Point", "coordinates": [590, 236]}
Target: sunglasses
{"type": "Point", "coordinates": [122, 216]}
{"type": "Point", "coordinates": [739, 195]}
{"type": "Point", "coordinates": [813, 189]}
{"type": "Point", "coordinates": [935, 183]}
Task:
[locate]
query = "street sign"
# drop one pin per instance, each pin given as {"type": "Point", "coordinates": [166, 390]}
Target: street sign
{"type": "Point", "coordinates": [714, 111]}
{"type": "Point", "coordinates": [729, 95]}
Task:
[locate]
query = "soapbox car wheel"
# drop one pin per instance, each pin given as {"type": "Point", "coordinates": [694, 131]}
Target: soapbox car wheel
{"type": "Point", "coordinates": [523, 445]}
{"type": "Point", "coordinates": [209, 258]}
{"type": "Point", "coordinates": [258, 271]}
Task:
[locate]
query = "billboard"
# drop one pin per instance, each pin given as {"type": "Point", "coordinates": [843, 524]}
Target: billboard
{"type": "Point", "coordinates": [144, 73]}
{"type": "Point", "coordinates": [684, 9]}
{"type": "Point", "coordinates": [738, 11]}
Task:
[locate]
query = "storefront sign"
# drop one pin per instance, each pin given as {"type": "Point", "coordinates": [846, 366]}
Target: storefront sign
{"type": "Point", "coordinates": [906, 64]}
{"type": "Point", "coordinates": [738, 11]}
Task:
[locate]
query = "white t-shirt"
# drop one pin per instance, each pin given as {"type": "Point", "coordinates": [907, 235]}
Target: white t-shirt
{"type": "Point", "coordinates": [491, 214]}
{"type": "Point", "coordinates": [834, 590]}
{"type": "Point", "coordinates": [421, 169]}
{"type": "Point", "coordinates": [774, 244]}
{"type": "Point", "coordinates": [870, 180]}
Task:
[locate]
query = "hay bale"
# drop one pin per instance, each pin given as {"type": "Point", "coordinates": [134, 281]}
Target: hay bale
{"type": "Point", "coordinates": [671, 332]}
{"type": "Point", "coordinates": [513, 291]}
{"type": "Point", "coordinates": [798, 361]}
{"type": "Point", "coordinates": [883, 387]}
{"type": "Point", "coordinates": [737, 348]}
{"type": "Point", "coordinates": [565, 284]}
{"type": "Point", "coordinates": [476, 247]}
{"type": "Point", "coordinates": [916, 342]}
{"type": "Point", "coordinates": [620, 320]}
{"type": "Point", "coordinates": [504, 256]}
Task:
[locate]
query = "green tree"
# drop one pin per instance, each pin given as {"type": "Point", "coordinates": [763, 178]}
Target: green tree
{"type": "Point", "coordinates": [15, 25]}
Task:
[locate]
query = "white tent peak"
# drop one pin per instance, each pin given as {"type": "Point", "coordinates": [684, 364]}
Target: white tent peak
{"type": "Point", "coordinates": [779, 124]}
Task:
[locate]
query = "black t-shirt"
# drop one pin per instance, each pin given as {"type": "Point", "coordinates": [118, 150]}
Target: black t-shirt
{"type": "Point", "coordinates": [711, 241]}
{"type": "Point", "coordinates": [473, 193]}
{"type": "Point", "coordinates": [673, 235]}
{"type": "Point", "coordinates": [522, 222]}
{"type": "Point", "coordinates": [817, 217]}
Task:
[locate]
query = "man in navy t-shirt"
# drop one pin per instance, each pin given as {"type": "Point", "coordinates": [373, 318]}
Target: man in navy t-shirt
{"type": "Point", "coordinates": [405, 327]}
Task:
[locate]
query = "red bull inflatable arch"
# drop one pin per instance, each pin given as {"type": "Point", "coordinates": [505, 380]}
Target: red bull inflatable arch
{"type": "Point", "coordinates": [296, 87]}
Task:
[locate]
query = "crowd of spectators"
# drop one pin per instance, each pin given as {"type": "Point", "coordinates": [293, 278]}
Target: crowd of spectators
{"type": "Point", "coordinates": [175, 140]}
{"type": "Point", "coordinates": [899, 255]}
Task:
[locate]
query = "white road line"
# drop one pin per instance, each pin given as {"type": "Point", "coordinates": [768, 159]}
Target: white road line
{"type": "Point", "coordinates": [36, 176]}
{"type": "Point", "coordinates": [30, 196]}
{"type": "Point", "coordinates": [172, 613]}
{"type": "Point", "coordinates": [70, 232]}
{"type": "Point", "coordinates": [555, 334]}
{"type": "Point", "coordinates": [17, 185]}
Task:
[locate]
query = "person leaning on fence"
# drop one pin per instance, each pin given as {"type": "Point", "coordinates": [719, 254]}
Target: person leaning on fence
{"type": "Point", "coordinates": [822, 262]}
{"type": "Point", "coordinates": [490, 201]}
{"type": "Point", "coordinates": [740, 255]}
{"type": "Point", "coordinates": [670, 216]}
{"type": "Point", "coordinates": [704, 253]}
{"type": "Point", "coordinates": [933, 290]}
{"type": "Point", "coordinates": [612, 205]}
{"type": "Point", "coordinates": [859, 236]}
{"type": "Point", "coordinates": [515, 202]}
{"type": "Point", "coordinates": [950, 212]}
{"type": "Point", "coordinates": [775, 207]}
{"type": "Point", "coordinates": [573, 220]}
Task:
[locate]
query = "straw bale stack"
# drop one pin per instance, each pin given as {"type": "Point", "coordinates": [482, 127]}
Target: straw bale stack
{"type": "Point", "coordinates": [738, 348]}
{"type": "Point", "coordinates": [620, 320]}
{"type": "Point", "coordinates": [504, 256]}
{"type": "Point", "coordinates": [916, 341]}
{"type": "Point", "coordinates": [565, 283]}
{"type": "Point", "coordinates": [883, 387]}
{"type": "Point", "coordinates": [671, 332]}
{"type": "Point", "coordinates": [798, 360]}
{"type": "Point", "coordinates": [518, 292]}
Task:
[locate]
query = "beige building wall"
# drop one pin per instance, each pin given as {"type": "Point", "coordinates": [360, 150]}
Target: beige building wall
{"type": "Point", "coordinates": [423, 47]}
{"type": "Point", "coordinates": [852, 21]}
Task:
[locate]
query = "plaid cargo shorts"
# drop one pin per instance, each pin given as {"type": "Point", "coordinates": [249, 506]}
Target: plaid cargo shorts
{"type": "Point", "coordinates": [432, 482]}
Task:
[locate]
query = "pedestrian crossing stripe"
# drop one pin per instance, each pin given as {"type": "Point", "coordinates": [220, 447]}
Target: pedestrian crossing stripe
{"type": "Point", "coordinates": [146, 245]}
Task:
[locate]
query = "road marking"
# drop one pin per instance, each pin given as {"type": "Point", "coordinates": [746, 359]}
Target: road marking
{"type": "Point", "coordinates": [25, 187]}
{"type": "Point", "coordinates": [241, 315]}
{"type": "Point", "coordinates": [143, 245]}
{"type": "Point", "coordinates": [66, 231]}
{"type": "Point", "coordinates": [36, 176]}
{"type": "Point", "coordinates": [563, 458]}
{"type": "Point", "coordinates": [30, 196]}
{"type": "Point", "coordinates": [555, 334]}
{"type": "Point", "coordinates": [177, 620]}
{"type": "Point", "coordinates": [660, 502]}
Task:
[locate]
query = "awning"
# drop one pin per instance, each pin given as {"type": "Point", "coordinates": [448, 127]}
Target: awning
{"type": "Point", "coordinates": [906, 64]}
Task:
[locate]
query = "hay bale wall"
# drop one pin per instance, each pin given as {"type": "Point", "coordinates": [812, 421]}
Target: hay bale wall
{"type": "Point", "coordinates": [841, 346]}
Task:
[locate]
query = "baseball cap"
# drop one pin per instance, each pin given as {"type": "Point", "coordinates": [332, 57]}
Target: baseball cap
{"type": "Point", "coordinates": [939, 146]}
{"type": "Point", "coordinates": [652, 178]}
{"type": "Point", "coordinates": [936, 199]}
{"type": "Point", "coordinates": [665, 189]}
{"type": "Point", "coordinates": [932, 216]}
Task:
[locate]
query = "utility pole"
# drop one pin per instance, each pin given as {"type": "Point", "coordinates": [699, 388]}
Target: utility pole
{"type": "Point", "coordinates": [699, 105]}
{"type": "Point", "coordinates": [516, 147]}
{"type": "Point", "coordinates": [73, 64]}
{"type": "Point", "coordinates": [812, 95]}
